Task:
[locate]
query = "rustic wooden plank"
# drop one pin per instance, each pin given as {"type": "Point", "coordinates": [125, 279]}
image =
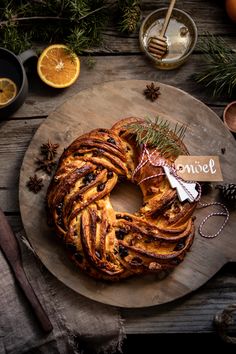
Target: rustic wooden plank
{"type": "Point", "coordinates": [42, 100]}
{"type": "Point", "coordinates": [9, 200]}
{"type": "Point", "coordinates": [114, 43]}
{"type": "Point", "coordinates": [126, 44]}
{"type": "Point", "coordinates": [14, 139]}
{"type": "Point", "coordinates": [194, 313]}
{"type": "Point", "coordinates": [208, 15]}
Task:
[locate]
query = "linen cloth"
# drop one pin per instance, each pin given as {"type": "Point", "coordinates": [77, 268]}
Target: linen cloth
{"type": "Point", "coordinates": [80, 325]}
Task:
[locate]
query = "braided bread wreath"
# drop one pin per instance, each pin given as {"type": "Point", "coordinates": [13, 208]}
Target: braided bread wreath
{"type": "Point", "coordinates": [104, 243]}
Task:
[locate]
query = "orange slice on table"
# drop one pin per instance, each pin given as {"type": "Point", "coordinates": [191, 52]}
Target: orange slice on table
{"type": "Point", "coordinates": [8, 91]}
{"type": "Point", "coordinates": [58, 66]}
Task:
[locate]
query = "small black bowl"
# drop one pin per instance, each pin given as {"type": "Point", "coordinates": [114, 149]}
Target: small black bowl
{"type": "Point", "coordinates": [12, 67]}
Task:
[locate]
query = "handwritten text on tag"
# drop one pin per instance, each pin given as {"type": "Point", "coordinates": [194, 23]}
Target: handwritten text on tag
{"type": "Point", "coordinates": [199, 168]}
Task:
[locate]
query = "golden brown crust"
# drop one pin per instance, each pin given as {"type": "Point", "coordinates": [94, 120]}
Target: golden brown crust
{"type": "Point", "coordinates": [106, 244]}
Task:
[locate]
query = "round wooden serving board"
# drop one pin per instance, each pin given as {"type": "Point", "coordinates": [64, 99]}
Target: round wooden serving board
{"type": "Point", "coordinates": [100, 107]}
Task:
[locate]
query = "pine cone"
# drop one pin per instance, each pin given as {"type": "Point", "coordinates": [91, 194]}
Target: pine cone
{"type": "Point", "coordinates": [131, 18]}
{"type": "Point", "coordinates": [228, 191]}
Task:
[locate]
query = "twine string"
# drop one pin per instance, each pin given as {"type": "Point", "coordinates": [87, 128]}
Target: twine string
{"type": "Point", "coordinates": [224, 213]}
{"type": "Point", "coordinates": [161, 163]}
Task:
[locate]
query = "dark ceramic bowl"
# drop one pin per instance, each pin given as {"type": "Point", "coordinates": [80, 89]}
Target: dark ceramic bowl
{"type": "Point", "coordinates": [12, 67]}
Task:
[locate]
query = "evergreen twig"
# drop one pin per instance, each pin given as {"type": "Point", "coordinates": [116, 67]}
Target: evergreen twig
{"type": "Point", "coordinates": [220, 72]}
{"type": "Point", "coordinates": [50, 18]}
{"type": "Point", "coordinates": [25, 22]}
{"type": "Point", "coordinates": [77, 23]}
{"type": "Point", "coordinates": [159, 134]}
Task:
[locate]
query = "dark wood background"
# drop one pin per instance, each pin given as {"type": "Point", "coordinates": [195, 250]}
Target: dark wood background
{"type": "Point", "coordinates": [120, 58]}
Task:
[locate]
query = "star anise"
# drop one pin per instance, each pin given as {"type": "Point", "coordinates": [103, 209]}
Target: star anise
{"type": "Point", "coordinates": [45, 165]}
{"type": "Point", "coordinates": [49, 150]}
{"type": "Point", "coordinates": [35, 184]}
{"type": "Point", "coordinates": [152, 92]}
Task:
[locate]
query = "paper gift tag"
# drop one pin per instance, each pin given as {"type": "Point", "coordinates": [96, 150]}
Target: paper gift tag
{"type": "Point", "coordinates": [199, 168]}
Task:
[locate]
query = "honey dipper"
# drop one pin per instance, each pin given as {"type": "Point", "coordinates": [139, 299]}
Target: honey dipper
{"type": "Point", "coordinates": [158, 45]}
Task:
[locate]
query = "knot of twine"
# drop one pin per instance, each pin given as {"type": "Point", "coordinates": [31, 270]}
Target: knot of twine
{"type": "Point", "coordinates": [159, 162]}
{"type": "Point", "coordinates": [222, 321]}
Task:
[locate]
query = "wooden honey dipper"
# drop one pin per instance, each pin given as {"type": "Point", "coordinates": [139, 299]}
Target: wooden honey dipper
{"type": "Point", "coordinates": [158, 45]}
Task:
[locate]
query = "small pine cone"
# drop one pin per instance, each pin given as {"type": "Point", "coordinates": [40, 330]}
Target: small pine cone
{"type": "Point", "coordinates": [132, 17]}
{"type": "Point", "coordinates": [130, 14]}
{"type": "Point", "coordinates": [228, 191]}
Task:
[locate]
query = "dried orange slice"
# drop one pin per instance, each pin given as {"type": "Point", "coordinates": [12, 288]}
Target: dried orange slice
{"type": "Point", "coordinates": [58, 66]}
{"type": "Point", "coordinates": [8, 91]}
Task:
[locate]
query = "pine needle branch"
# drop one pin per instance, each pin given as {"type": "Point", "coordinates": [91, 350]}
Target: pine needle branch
{"type": "Point", "coordinates": [220, 72]}
{"type": "Point", "coordinates": [50, 18]}
{"type": "Point", "coordinates": [23, 23]}
{"type": "Point", "coordinates": [159, 134]}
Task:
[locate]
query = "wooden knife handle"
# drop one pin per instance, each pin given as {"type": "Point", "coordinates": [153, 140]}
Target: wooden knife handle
{"type": "Point", "coordinates": [11, 250]}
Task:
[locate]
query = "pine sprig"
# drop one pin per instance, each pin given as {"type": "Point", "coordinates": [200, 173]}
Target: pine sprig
{"type": "Point", "coordinates": [18, 41]}
{"type": "Point", "coordinates": [77, 23]}
{"type": "Point", "coordinates": [159, 134]}
{"type": "Point", "coordinates": [78, 40]}
{"type": "Point", "coordinates": [130, 13]}
{"type": "Point", "coordinates": [220, 72]}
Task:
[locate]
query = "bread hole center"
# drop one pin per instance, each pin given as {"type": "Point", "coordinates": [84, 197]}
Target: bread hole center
{"type": "Point", "coordinates": [126, 197]}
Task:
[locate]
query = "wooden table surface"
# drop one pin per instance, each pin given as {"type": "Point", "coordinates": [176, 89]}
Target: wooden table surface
{"type": "Point", "coordinates": [120, 58]}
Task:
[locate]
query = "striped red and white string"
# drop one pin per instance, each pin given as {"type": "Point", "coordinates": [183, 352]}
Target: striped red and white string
{"type": "Point", "coordinates": [160, 162]}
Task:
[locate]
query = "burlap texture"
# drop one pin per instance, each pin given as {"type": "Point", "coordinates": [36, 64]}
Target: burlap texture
{"type": "Point", "coordinates": [80, 325]}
